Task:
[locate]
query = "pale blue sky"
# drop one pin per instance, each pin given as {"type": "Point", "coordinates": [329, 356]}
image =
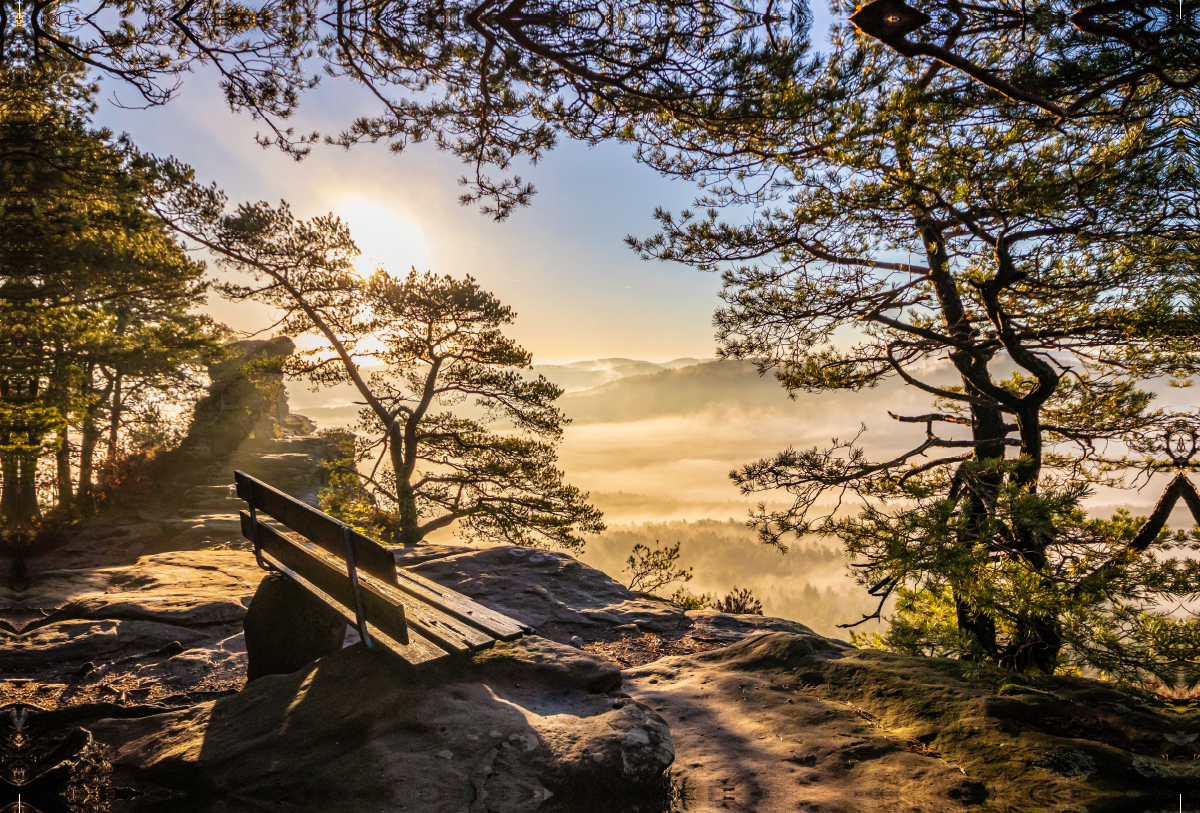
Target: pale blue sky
{"type": "Point", "coordinates": [578, 291]}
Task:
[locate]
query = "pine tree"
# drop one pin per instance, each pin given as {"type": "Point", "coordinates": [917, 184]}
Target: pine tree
{"type": "Point", "coordinates": [92, 284]}
{"type": "Point", "coordinates": [451, 431]}
{"type": "Point", "coordinates": [929, 222]}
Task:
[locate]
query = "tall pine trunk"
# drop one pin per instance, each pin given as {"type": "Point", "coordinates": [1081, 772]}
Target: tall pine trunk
{"type": "Point", "coordinates": [90, 438]}
{"type": "Point", "coordinates": [988, 431]}
{"type": "Point", "coordinates": [408, 530]}
{"type": "Point", "coordinates": [19, 508]}
{"type": "Point", "coordinates": [87, 455]}
{"type": "Point", "coordinates": [114, 420]}
{"type": "Point", "coordinates": [66, 494]}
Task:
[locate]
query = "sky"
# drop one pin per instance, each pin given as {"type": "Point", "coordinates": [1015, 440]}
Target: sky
{"type": "Point", "coordinates": [578, 291]}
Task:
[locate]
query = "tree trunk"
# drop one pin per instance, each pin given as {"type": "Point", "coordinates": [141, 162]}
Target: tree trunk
{"type": "Point", "coordinates": [19, 508]}
{"type": "Point", "coordinates": [86, 495]}
{"type": "Point", "coordinates": [988, 431]}
{"type": "Point", "coordinates": [87, 453]}
{"type": "Point", "coordinates": [61, 397]}
{"type": "Point", "coordinates": [979, 629]}
{"type": "Point", "coordinates": [66, 492]}
{"type": "Point", "coordinates": [114, 421]}
{"type": "Point", "coordinates": [408, 530]}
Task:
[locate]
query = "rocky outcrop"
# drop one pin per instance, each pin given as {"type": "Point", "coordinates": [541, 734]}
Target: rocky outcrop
{"type": "Point", "coordinates": [766, 715]}
{"type": "Point", "coordinates": [246, 394]}
{"type": "Point", "coordinates": [204, 515]}
{"type": "Point", "coordinates": [761, 714]}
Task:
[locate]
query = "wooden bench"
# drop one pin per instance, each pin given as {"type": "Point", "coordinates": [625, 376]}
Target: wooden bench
{"type": "Point", "coordinates": [354, 580]}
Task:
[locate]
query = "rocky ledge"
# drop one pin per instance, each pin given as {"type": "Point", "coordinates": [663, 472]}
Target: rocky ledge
{"type": "Point", "coordinates": [712, 712]}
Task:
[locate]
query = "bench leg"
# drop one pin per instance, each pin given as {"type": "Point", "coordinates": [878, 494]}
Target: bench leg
{"type": "Point", "coordinates": [287, 628]}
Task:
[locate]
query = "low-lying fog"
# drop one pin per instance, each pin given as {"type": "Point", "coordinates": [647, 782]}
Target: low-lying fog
{"type": "Point", "coordinates": [654, 444]}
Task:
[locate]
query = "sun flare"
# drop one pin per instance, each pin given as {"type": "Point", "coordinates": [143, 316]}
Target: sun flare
{"type": "Point", "coordinates": [386, 237]}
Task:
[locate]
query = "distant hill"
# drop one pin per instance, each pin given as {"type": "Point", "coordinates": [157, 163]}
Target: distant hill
{"type": "Point", "coordinates": [725, 386]}
{"type": "Point", "coordinates": [331, 406]}
{"type": "Point", "coordinates": [584, 375]}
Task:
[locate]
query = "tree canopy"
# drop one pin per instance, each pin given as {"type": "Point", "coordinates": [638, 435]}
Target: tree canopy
{"type": "Point", "coordinates": [933, 222]}
{"type": "Point", "coordinates": [1005, 193]}
{"type": "Point", "coordinates": [95, 292]}
{"type": "Point", "coordinates": [421, 352]}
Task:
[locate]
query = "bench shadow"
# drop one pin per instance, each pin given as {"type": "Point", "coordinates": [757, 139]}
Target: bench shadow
{"type": "Point", "coordinates": [361, 730]}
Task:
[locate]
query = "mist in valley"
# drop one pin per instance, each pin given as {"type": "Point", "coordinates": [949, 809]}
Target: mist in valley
{"type": "Point", "coordinates": [654, 443]}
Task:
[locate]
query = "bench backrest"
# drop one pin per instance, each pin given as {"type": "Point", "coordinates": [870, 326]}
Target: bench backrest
{"type": "Point", "coordinates": [318, 527]}
{"type": "Point", "coordinates": [356, 576]}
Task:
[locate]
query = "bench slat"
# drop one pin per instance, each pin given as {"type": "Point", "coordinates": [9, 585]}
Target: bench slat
{"type": "Point", "coordinates": [318, 527]}
{"type": "Point", "coordinates": [459, 606]}
{"type": "Point", "coordinates": [384, 605]}
{"type": "Point", "coordinates": [432, 620]}
{"type": "Point", "coordinates": [329, 575]}
{"type": "Point", "coordinates": [418, 650]}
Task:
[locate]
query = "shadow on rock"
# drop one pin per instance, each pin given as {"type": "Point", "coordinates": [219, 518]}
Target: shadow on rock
{"type": "Point", "coordinates": [784, 721]}
{"type": "Point", "coordinates": [525, 726]}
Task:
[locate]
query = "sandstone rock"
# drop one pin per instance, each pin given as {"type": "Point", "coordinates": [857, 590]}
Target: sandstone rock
{"type": "Point", "coordinates": [793, 721]}
{"type": "Point", "coordinates": [286, 628]}
{"type": "Point", "coordinates": [764, 715]}
{"type": "Point", "coordinates": [221, 660]}
{"type": "Point", "coordinates": [512, 730]}
{"type": "Point", "coordinates": [541, 587]}
{"type": "Point", "coordinates": [247, 386]}
{"type": "Point", "coordinates": [129, 614]}
{"type": "Point", "coordinates": [716, 627]}
{"type": "Point", "coordinates": [66, 645]}
{"type": "Point", "coordinates": [191, 588]}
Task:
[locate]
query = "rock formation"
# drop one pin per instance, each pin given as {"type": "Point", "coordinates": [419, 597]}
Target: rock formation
{"type": "Point", "coordinates": [246, 394]}
{"type": "Point", "coordinates": [760, 714]}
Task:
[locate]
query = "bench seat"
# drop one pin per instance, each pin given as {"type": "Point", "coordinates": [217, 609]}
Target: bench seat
{"type": "Point", "coordinates": [354, 576]}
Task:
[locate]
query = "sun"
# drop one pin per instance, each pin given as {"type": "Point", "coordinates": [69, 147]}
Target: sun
{"type": "Point", "coordinates": [386, 237]}
{"type": "Point", "coordinates": [365, 265]}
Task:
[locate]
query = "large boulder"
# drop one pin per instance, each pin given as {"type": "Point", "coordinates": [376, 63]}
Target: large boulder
{"type": "Point", "coordinates": [525, 726]}
{"type": "Point", "coordinates": [246, 393]}
{"type": "Point", "coordinates": [286, 628]}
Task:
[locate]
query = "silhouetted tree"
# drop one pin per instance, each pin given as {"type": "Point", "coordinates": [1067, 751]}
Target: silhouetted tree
{"type": "Point", "coordinates": [419, 465]}
{"type": "Point", "coordinates": [650, 570]}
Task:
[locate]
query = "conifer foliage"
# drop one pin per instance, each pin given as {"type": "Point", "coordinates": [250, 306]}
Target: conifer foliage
{"type": "Point", "coordinates": [451, 431]}
{"type": "Point", "coordinates": [95, 295]}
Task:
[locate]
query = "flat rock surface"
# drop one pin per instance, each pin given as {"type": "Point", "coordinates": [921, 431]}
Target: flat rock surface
{"type": "Point", "coordinates": [764, 715]}
{"type": "Point", "coordinates": [182, 587]}
{"type": "Point", "coordinates": [169, 623]}
{"type": "Point", "coordinates": [542, 588]}
{"type": "Point", "coordinates": [526, 726]}
{"type": "Point", "coordinates": [785, 721]}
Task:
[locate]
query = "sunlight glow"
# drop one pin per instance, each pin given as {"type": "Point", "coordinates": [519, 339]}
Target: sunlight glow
{"type": "Point", "coordinates": [385, 237]}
